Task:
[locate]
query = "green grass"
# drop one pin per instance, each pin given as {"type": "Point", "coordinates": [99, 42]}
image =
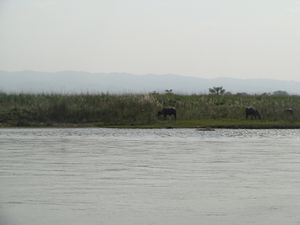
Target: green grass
{"type": "Point", "coordinates": [216, 123]}
{"type": "Point", "coordinates": [140, 110]}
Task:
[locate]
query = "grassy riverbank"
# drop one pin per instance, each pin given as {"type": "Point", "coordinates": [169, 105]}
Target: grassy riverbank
{"type": "Point", "coordinates": [217, 123]}
{"type": "Point", "coordinates": [139, 111]}
{"type": "Point", "coordinates": [205, 124]}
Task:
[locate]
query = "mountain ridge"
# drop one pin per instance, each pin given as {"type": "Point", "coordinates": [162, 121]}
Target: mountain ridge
{"type": "Point", "coordinates": [81, 82]}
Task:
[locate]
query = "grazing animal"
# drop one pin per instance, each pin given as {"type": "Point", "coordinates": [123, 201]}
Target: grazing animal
{"type": "Point", "coordinates": [252, 113]}
{"type": "Point", "coordinates": [167, 112]}
{"type": "Point", "coordinates": [289, 111]}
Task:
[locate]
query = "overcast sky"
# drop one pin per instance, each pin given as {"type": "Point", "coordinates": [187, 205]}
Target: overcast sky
{"type": "Point", "coordinates": [205, 38]}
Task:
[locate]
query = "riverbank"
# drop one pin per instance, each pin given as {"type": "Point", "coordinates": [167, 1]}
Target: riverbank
{"type": "Point", "coordinates": [140, 110]}
{"type": "Point", "coordinates": [169, 124]}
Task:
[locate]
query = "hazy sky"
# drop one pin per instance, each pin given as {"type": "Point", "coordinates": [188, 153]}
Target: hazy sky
{"type": "Point", "coordinates": [206, 38]}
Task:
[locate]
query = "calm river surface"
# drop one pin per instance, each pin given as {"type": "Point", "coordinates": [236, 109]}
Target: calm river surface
{"type": "Point", "coordinates": [149, 177]}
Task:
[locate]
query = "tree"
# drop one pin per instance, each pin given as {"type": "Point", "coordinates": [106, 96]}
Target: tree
{"type": "Point", "coordinates": [280, 93]}
{"type": "Point", "coordinates": [242, 94]}
{"type": "Point", "coordinates": [169, 91]}
{"type": "Point", "coordinates": [216, 90]}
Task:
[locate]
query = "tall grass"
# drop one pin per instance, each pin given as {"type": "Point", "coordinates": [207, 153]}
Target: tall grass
{"type": "Point", "coordinates": [25, 109]}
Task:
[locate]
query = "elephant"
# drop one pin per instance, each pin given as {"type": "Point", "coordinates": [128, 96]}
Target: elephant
{"type": "Point", "coordinates": [289, 111]}
{"type": "Point", "coordinates": [252, 113]}
{"type": "Point", "coordinates": [168, 111]}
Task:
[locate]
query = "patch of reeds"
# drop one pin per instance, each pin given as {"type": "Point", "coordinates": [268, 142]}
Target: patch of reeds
{"type": "Point", "coordinates": [110, 109]}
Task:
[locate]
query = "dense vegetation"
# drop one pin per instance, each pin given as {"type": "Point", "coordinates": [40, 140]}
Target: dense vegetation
{"type": "Point", "coordinates": [128, 109]}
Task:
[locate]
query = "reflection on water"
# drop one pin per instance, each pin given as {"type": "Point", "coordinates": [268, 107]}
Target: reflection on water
{"type": "Point", "coordinates": [158, 177]}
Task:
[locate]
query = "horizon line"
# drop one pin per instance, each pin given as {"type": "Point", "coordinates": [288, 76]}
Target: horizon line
{"type": "Point", "coordinates": [145, 74]}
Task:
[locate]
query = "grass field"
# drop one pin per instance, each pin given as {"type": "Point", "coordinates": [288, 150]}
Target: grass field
{"type": "Point", "coordinates": [140, 110]}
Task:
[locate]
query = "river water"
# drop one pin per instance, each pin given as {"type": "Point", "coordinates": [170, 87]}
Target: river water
{"type": "Point", "coordinates": [149, 177]}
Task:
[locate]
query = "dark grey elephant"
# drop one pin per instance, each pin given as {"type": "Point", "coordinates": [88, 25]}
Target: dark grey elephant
{"type": "Point", "coordinates": [170, 111]}
{"type": "Point", "coordinates": [252, 113]}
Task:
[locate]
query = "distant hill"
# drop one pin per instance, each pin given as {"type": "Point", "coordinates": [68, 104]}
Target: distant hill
{"type": "Point", "coordinates": [78, 82]}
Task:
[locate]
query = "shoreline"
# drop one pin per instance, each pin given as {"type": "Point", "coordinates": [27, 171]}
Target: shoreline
{"type": "Point", "coordinates": [179, 124]}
